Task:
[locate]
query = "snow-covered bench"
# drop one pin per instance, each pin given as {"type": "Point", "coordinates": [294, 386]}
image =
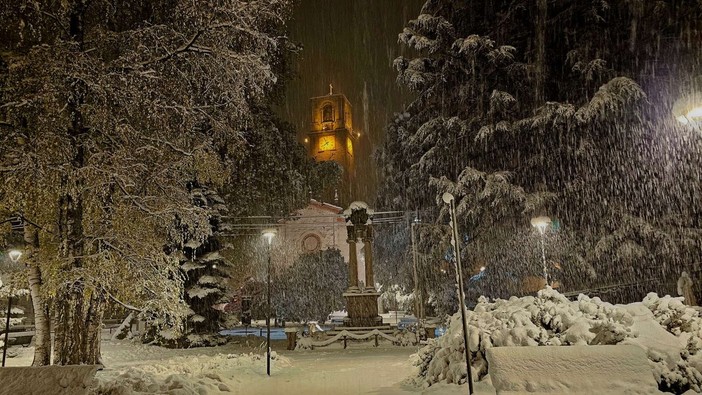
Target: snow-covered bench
{"type": "Point", "coordinates": [55, 380]}
{"type": "Point", "coordinates": [571, 369]}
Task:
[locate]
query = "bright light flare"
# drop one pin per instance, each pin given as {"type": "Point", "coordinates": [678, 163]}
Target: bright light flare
{"type": "Point", "coordinates": [695, 113]}
{"type": "Point", "coordinates": [688, 109]}
{"type": "Point", "coordinates": [541, 223]}
{"type": "Point", "coordinates": [15, 255]}
{"type": "Point", "coordinates": [268, 234]}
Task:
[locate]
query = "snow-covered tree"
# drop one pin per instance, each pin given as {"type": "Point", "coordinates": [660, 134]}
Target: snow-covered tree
{"type": "Point", "coordinates": [108, 110]}
{"type": "Point", "coordinates": [526, 108]}
{"type": "Point", "coordinates": [205, 273]}
{"type": "Point", "coordinates": [311, 287]}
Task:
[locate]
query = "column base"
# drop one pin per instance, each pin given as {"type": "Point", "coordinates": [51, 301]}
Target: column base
{"type": "Point", "coordinates": [353, 290]}
{"type": "Point", "coordinates": [362, 309]}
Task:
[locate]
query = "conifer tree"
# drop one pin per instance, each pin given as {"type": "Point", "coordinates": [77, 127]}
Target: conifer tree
{"type": "Point", "coordinates": [557, 107]}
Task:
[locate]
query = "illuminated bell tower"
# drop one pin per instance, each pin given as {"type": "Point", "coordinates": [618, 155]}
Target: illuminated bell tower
{"type": "Point", "coordinates": [331, 138]}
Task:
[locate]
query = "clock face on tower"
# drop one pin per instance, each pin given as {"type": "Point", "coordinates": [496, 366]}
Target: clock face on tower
{"type": "Point", "coordinates": [327, 143]}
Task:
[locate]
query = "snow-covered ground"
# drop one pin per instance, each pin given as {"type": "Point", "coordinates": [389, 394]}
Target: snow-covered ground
{"type": "Point", "coordinates": [668, 333]}
{"type": "Point", "coordinates": [240, 368]}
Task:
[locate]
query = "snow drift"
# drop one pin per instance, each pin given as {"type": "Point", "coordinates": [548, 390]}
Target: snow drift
{"type": "Point", "coordinates": [667, 330]}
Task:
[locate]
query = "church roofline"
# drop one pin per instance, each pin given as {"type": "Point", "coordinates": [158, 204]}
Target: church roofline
{"type": "Point", "coordinates": [326, 206]}
{"type": "Point", "coordinates": [335, 95]}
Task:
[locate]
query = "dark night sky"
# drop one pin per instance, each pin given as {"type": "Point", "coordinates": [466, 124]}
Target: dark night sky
{"type": "Point", "coordinates": [350, 44]}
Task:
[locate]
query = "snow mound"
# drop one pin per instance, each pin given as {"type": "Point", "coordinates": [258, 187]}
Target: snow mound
{"type": "Point", "coordinates": [668, 331]}
{"type": "Point", "coordinates": [610, 370]}
{"type": "Point", "coordinates": [200, 292]}
{"type": "Point", "coordinates": [184, 375]}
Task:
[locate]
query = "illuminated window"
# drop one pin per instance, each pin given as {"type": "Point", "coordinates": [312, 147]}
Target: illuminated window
{"type": "Point", "coordinates": [349, 146]}
{"type": "Point", "coordinates": [328, 113]}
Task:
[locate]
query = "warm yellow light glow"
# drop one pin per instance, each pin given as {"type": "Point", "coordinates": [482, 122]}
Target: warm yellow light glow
{"type": "Point", "coordinates": [327, 143]}
{"type": "Point", "coordinates": [349, 146]}
{"type": "Point", "coordinates": [307, 140]}
{"type": "Point", "coordinates": [541, 223]}
{"type": "Point", "coordinates": [688, 109]}
{"type": "Point", "coordinates": [695, 113]}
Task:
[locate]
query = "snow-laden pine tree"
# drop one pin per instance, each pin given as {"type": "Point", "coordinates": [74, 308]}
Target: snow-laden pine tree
{"type": "Point", "coordinates": [526, 108]}
{"type": "Point", "coordinates": [205, 273]}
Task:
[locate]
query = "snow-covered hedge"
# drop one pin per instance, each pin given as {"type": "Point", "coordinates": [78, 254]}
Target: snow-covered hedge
{"type": "Point", "coordinates": [550, 319]}
{"type": "Point", "coordinates": [183, 375]}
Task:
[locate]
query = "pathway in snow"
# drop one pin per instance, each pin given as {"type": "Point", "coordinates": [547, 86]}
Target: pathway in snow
{"type": "Point", "coordinates": [233, 369]}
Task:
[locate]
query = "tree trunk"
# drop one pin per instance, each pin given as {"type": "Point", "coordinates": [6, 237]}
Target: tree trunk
{"type": "Point", "coordinates": [540, 67]}
{"type": "Point", "coordinates": [79, 307]}
{"type": "Point", "coordinates": [42, 335]}
{"type": "Point", "coordinates": [78, 326]}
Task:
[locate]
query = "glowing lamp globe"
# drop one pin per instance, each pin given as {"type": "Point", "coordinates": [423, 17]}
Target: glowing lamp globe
{"type": "Point", "coordinates": [688, 109]}
{"type": "Point", "coordinates": [15, 255]}
{"type": "Point", "coordinates": [541, 223]}
{"type": "Point", "coordinates": [268, 234]}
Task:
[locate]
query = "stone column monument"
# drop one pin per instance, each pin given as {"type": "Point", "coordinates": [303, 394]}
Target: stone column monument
{"type": "Point", "coordinates": [368, 257]}
{"type": "Point", "coordinates": [361, 304]}
{"type": "Point", "coordinates": [353, 265]}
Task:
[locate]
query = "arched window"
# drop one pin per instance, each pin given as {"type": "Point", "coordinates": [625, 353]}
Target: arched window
{"type": "Point", "coordinates": [328, 113]}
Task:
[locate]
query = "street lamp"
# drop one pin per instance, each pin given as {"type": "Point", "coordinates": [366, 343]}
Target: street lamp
{"type": "Point", "coordinates": [688, 109]}
{"type": "Point", "coordinates": [14, 255]}
{"type": "Point", "coordinates": [542, 223]}
{"type": "Point", "coordinates": [268, 234]}
{"type": "Point", "coordinates": [418, 302]}
{"type": "Point", "coordinates": [451, 201]}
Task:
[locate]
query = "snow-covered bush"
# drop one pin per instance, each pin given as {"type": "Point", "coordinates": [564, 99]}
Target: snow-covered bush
{"type": "Point", "coordinates": [685, 324]}
{"type": "Point", "coordinates": [405, 337]}
{"type": "Point", "coordinates": [396, 298]}
{"type": "Point", "coordinates": [182, 375]}
{"type": "Point", "coordinates": [547, 319]}
{"type": "Point", "coordinates": [668, 330]}
{"type": "Point", "coordinates": [304, 343]}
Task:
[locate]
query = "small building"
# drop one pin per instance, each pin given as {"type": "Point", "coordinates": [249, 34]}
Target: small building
{"type": "Point", "coordinates": [319, 226]}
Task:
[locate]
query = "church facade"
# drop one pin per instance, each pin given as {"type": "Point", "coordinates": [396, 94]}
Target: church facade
{"type": "Point", "coordinates": [319, 226]}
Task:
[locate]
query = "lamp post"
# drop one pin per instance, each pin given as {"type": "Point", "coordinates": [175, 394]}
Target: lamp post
{"type": "Point", "coordinates": [268, 234]}
{"type": "Point", "coordinates": [451, 201]}
{"type": "Point", "coordinates": [542, 223]}
{"type": "Point", "coordinates": [14, 257]}
{"type": "Point", "coordinates": [418, 302]}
